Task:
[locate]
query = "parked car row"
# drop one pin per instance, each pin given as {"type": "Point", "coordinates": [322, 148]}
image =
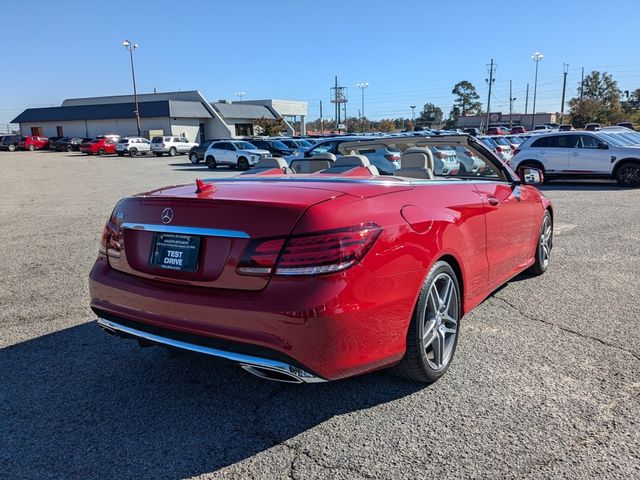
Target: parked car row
{"type": "Point", "coordinates": [18, 142]}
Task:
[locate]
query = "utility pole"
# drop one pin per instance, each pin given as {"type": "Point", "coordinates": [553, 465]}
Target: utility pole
{"type": "Point", "coordinates": [413, 115]}
{"type": "Point", "coordinates": [526, 101]}
{"type": "Point", "coordinates": [131, 47]}
{"type": "Point", "coordinates": [564, 89]}
{"type": "Point", "coordinates": [321, 120]}
{"type": "Point", "coordinates": [581, 85]}
{"type": "Point", "coordinates": [536, 57]}
{"type": "Point", "coordinates": [490, 81]}
{"type": "Point", "coordinates": [362, 87]}
{"type": "Point", "coordinates": [511, 100]}
{"type": "Point", "coordinates": [337, 106]}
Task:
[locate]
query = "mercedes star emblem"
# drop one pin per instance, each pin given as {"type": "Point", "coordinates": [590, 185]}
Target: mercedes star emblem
{"type": "Point", "coordinates": [167, 215]}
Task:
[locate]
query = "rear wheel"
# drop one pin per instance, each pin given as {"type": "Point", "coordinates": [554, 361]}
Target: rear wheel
{"type": "Point", "coordinates": [543, 248]}
{"type": "Point", "coordinates": [628, 174]}
{"type": "Point", "coordinates": [157, 154]}
{"type": "Point", "coordinates": [31, 148]}
{"type": "Point", "coordinates": [69, 148]}
{"type": "Point", "coordinates": [101, 151]}
{"type": "Point", "coordinates": [243, 163]}
{"type": "Point", "coordinates": [194, 158]}
{"type": "Point", "coordinates": [432, 336]}
{"type": "Point", "coordinates": [120, 154]}
{"type": "Point", "coordinates": [133, 152]}
{"type": "Point", "coordinates": [211, 162]}
{"type": "Point", "coordinates": [12, 148]}
{"type": "Point", "coordinates": [172, 152]}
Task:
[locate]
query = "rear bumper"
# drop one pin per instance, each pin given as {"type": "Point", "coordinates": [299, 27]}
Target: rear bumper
{"type": "Point", "coordinates": [330, 327]}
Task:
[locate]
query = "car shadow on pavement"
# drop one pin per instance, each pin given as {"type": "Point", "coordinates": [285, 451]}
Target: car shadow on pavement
{"type": "Point", "coordinates": [80, 404]}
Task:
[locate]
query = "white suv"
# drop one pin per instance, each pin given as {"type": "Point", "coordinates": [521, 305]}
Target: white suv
{"type": "Point", "coordinates": [133, 146]}
{"type": "Point", "coordinates": [233, 153]}
{"type": "Point", "coordinates": [171, 145]}
{"type": "Point", "coordinates": [581, 154]}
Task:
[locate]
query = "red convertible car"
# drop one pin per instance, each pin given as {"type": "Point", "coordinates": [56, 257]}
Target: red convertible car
{"type": "Point", "coordinates": [321, 269]}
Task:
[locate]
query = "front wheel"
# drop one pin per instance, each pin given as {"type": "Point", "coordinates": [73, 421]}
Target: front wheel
{"type": "Point", "coordinates": [101, 151]}
{"type": "Point", "coordinates": [243, 163]}
{"type": "Point", "coordinates": [31, 148]}
{"type": "Point", "coordinates": [432, 336]}
{"type": "Point", "coordinates": [172, 152]}
{"type": "Point", "coordinates": [194, 158]}
{"type": "Point", "coordinates": [157, 154]}
{"type": "Point", "coordinates": [543, 247]}
{"type": "Point", "coordinates": [69, 148]}
{"type": "Point", "coordinates": [133, 152]}
{"type": "Point", "coordinates": [628, 174]}
{"type": "Point", "coordinates": [12, 148]}
{"type": "Point", "coordinates": [211, 162]}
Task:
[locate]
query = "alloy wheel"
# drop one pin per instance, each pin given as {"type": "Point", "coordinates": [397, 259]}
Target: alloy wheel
{"type": "Point", "coordinates": [544, 246]}
{"type": "Point", "coordinates": [630, 175]}
{"type": "Point", "coordinates": [441, 322]}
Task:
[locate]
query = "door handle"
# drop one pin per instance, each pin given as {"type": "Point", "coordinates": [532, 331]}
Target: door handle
{"type": "Point", "coordinates": [492, 200]}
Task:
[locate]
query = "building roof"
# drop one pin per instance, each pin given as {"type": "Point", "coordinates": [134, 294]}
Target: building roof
{"type": "Point", "coordinates": [243, 110]}
{"type": "Point", "coordinates": [164, 108]}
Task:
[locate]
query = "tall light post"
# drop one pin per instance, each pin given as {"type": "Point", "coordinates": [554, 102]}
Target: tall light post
{"type": "Point", "coordinates": [131, 47]}
{"type": "Point", "coordinates": [240, 95]}
{"type": "Point", "coordinates": [362, 87]}
{"type": "Point", "coordinates": [413, 115]}
{"type": "Point", "coordinates": [536, 57]}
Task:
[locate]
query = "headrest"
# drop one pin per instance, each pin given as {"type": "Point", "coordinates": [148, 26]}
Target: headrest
{"type": "Point", "coordinates": [417, 157]}
{"type": "Point", "coordinates": [324, 156]}
{"type": "Point", "coordinates": [352, 161]}
{"type": "Point", "coordinates": [272, 162]}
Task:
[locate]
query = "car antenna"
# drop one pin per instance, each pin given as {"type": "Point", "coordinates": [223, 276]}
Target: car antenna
{"type": "Point", "coordinates": [204, 187]}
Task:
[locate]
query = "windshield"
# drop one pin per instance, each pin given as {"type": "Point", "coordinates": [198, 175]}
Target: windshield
{"type": "Point", "coordinates": [279, 145]}
{"type": "Point", "coordinates": [157, 140]}
{"type": "Point", "coordinates": [244, 145]}
{"type": "Point", "coordinates": [617, 140]}
{"type": "Point", "coordinates": [631, 136]}
{"type": "Point", "coordinates": [501, 141]}
{"type": "Point", "coordinates": [490, 142]}
{"type": "Point", "coordinates": [304, 143]}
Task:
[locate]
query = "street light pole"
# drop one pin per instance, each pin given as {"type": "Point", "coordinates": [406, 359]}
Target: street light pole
{"type": "Point", "coordinates": [536, 57]}
{"type": "Point", "coordinates": [240, 95]}
{"type": "Point", "coordinates": [362, 87]}
{"type": "Point", "coordinates": [413, 115]}
{"type": "Point", "coordinates": [131, 47]}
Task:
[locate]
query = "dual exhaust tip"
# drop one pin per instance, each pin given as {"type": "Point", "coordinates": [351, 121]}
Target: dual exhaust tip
{"type": "Point", "coordinates": [260, 367]}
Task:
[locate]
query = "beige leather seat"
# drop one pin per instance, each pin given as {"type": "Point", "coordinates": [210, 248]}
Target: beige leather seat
{"type": "Point", "coordinates": [310, 165]}
{"type": "Point", "coordinates": [349, 162]}
{"type": "Point", "coordinates": [416, 162]}
{"type": "Point", "coordinates": [270, 163]}
{"type": "Point", "coordinates": [324, 156]}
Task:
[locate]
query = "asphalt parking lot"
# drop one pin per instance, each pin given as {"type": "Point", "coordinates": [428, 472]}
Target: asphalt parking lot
{"type": "Point", "coordinates": [546, 380]}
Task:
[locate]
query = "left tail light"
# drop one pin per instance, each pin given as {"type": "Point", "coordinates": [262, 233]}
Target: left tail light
{"type": "Point", "coordinates": [110, 241]}
{"type": "Point", "coordinates": [313, 254]}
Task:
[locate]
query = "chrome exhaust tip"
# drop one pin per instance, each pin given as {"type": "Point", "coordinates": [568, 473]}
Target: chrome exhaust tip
{"type": "Point", "coordinates": [274, 374]}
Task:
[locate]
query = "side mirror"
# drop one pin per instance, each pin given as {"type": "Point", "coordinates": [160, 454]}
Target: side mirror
{"type": "Point", "coordinates": [531, 176]}
{"type": "Point", "coordinates": [307, 154]}
{"type": "Point", "coordinates": [603, 146]}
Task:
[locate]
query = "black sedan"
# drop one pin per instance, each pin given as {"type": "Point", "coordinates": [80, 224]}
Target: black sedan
{"type": "Point", "coordinates": [276, 147]}
{"type": "Point", "coordinates": [71, 144]}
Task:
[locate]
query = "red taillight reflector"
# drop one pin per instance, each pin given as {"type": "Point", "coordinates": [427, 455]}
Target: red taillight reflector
{"type": "Point", "coordinates": [323, 252]}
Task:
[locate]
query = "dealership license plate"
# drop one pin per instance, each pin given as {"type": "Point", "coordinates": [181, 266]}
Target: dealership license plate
{"type": "Point", "coordinates": [175, 252]}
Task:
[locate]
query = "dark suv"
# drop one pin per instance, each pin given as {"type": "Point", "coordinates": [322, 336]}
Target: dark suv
{"type": "Point", "coordinates": [275, 147]}
{"type": "Point", "coordinates": [10, 142]}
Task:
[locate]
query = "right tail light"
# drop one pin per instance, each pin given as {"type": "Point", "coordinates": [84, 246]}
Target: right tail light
{"type": "Point", "coordinates": [312, 254]}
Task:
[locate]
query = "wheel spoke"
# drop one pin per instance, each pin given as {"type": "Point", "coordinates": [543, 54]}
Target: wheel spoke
{"type": "Point", "coordinates": [447, 293]}
{"type": "Point", "coordinates": [429, 335]}
{"type": "Point", "coordinates": [435, 298]}
{"type": "Point", "coordinates": [438, 349]}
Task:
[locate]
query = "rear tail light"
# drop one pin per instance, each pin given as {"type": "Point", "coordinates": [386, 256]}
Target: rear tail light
{"type": "Point", "coordinates": [441, 155]}
{"type": "Point", "coordinates": [323, 252]}
{"type": "Point", "coordinates": [392, 158]}
{"type": "Point", "coordinates": [110, 241]}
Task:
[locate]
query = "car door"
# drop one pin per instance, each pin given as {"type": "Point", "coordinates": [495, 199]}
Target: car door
{"type": "Point", "coordinates": [553, 152]}
{"type": "Point", "coordinates": [225, 153]}
{"type": "Point", "coordinates": [589, 155]}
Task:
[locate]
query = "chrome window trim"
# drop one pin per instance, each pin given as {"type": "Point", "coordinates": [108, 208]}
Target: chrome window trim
{"type": "Point", "coordinates": [178, 229]}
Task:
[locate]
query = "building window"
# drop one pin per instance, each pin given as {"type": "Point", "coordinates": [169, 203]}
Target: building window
{"type": "Point", "coordinates": [36, 131]}
{"type": "Point", "coordinates": [244, 130]}
{"type": "Point", "coordinates": [59, 132]}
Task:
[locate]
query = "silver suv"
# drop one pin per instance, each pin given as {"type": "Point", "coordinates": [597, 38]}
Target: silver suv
{"type": "Point", "coordinates": [171, 145]}
{"type": "Point", "coordinates": [582, 155]}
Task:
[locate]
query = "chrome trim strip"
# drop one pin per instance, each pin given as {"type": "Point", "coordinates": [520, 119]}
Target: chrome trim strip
{"type": "Point", "coordinates": [244, 360]}
{"type": "Point", "coordinates": [206, 232]}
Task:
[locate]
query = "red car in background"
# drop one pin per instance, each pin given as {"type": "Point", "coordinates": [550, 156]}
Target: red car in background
{"type": "Point", "coordinates": [496, 131]}
{"type": "Point", "coordinates": [321, 276]}
{"type": "Point", "coordinates": [33, 142]}
{"type": "Point", "coordinates": [102, 145]}
{"type": "Point", "coordinates": [517, 129]}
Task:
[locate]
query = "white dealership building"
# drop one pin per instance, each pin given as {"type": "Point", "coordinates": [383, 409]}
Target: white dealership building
{"type": "Point", "coordinates": [186, 113]}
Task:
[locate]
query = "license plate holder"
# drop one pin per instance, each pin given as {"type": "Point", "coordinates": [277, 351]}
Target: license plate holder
{"type": "Point", "coordinates": [176, 252]}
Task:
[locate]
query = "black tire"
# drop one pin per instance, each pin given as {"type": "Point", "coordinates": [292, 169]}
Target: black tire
{"type": "Point", "coordinates": [12, 148]}
{"type": "Point", "coordinates": [543, 246]}
{"type": "Point", "coordinates": [157, 154]}
{"type": "Point", "coordinates": [172, 152]}
{"type": "Point", "coordinates": [243, 164]}
{"type": "Point", "coordinates": [101, 151]}
{"type": "Point", "coordinates": [120, 154]}
{"type": "Point", "coordinates": [31, 148]}
{"type": "Point", "coordinates": [628, 174]}
{"type": "Point", "coordinates": [69, 148]}
{"type": "Point", "coordinates": [194, 158]}
{"type": "Point", "coordinates": [417, 364]}
{"type": "Point", "coordinates": [133, 152]}
{"type": "Point", "coordinates": [211, 162]}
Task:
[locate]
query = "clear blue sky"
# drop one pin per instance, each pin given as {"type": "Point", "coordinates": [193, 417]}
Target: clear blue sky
{"type": "Point", "coordinates": [410, 52]}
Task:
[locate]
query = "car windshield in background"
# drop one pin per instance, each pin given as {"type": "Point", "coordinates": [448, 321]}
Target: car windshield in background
{"type": "Point", "coordinates": [617, 140]}
{"type": "Point", "coordinates": [304, 143]}
{"type": "Point", "coordinates": [157, 140]}
{"type": "Point", "coordinates": [245, 145]}
{"type": "Point", "coordinates": [279, 145]}
{"type": "Point", "coordinates": [501, 141]}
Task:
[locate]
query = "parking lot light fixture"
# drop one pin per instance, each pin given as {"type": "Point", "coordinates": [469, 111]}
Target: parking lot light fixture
{"type": "Point", "coordinates": [362, 87]}
{"type": "Point", "coordinates": [413, 114]}
{"type": "Point", "coordinates": [131, 47]}
{"type": "Point", "coordinates": [536, 57]}
{"type": "Point", "coordinates": [240, 95]}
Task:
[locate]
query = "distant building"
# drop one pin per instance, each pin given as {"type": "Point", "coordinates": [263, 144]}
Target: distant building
{"type": "Point", "coordinates": [497, 118]}
{"type": "Point", "coordinates": [172, 113]}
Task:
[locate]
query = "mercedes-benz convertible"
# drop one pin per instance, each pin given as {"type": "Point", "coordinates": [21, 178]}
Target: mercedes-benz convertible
{"type": "Point", "coordinates": [323, 269]}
